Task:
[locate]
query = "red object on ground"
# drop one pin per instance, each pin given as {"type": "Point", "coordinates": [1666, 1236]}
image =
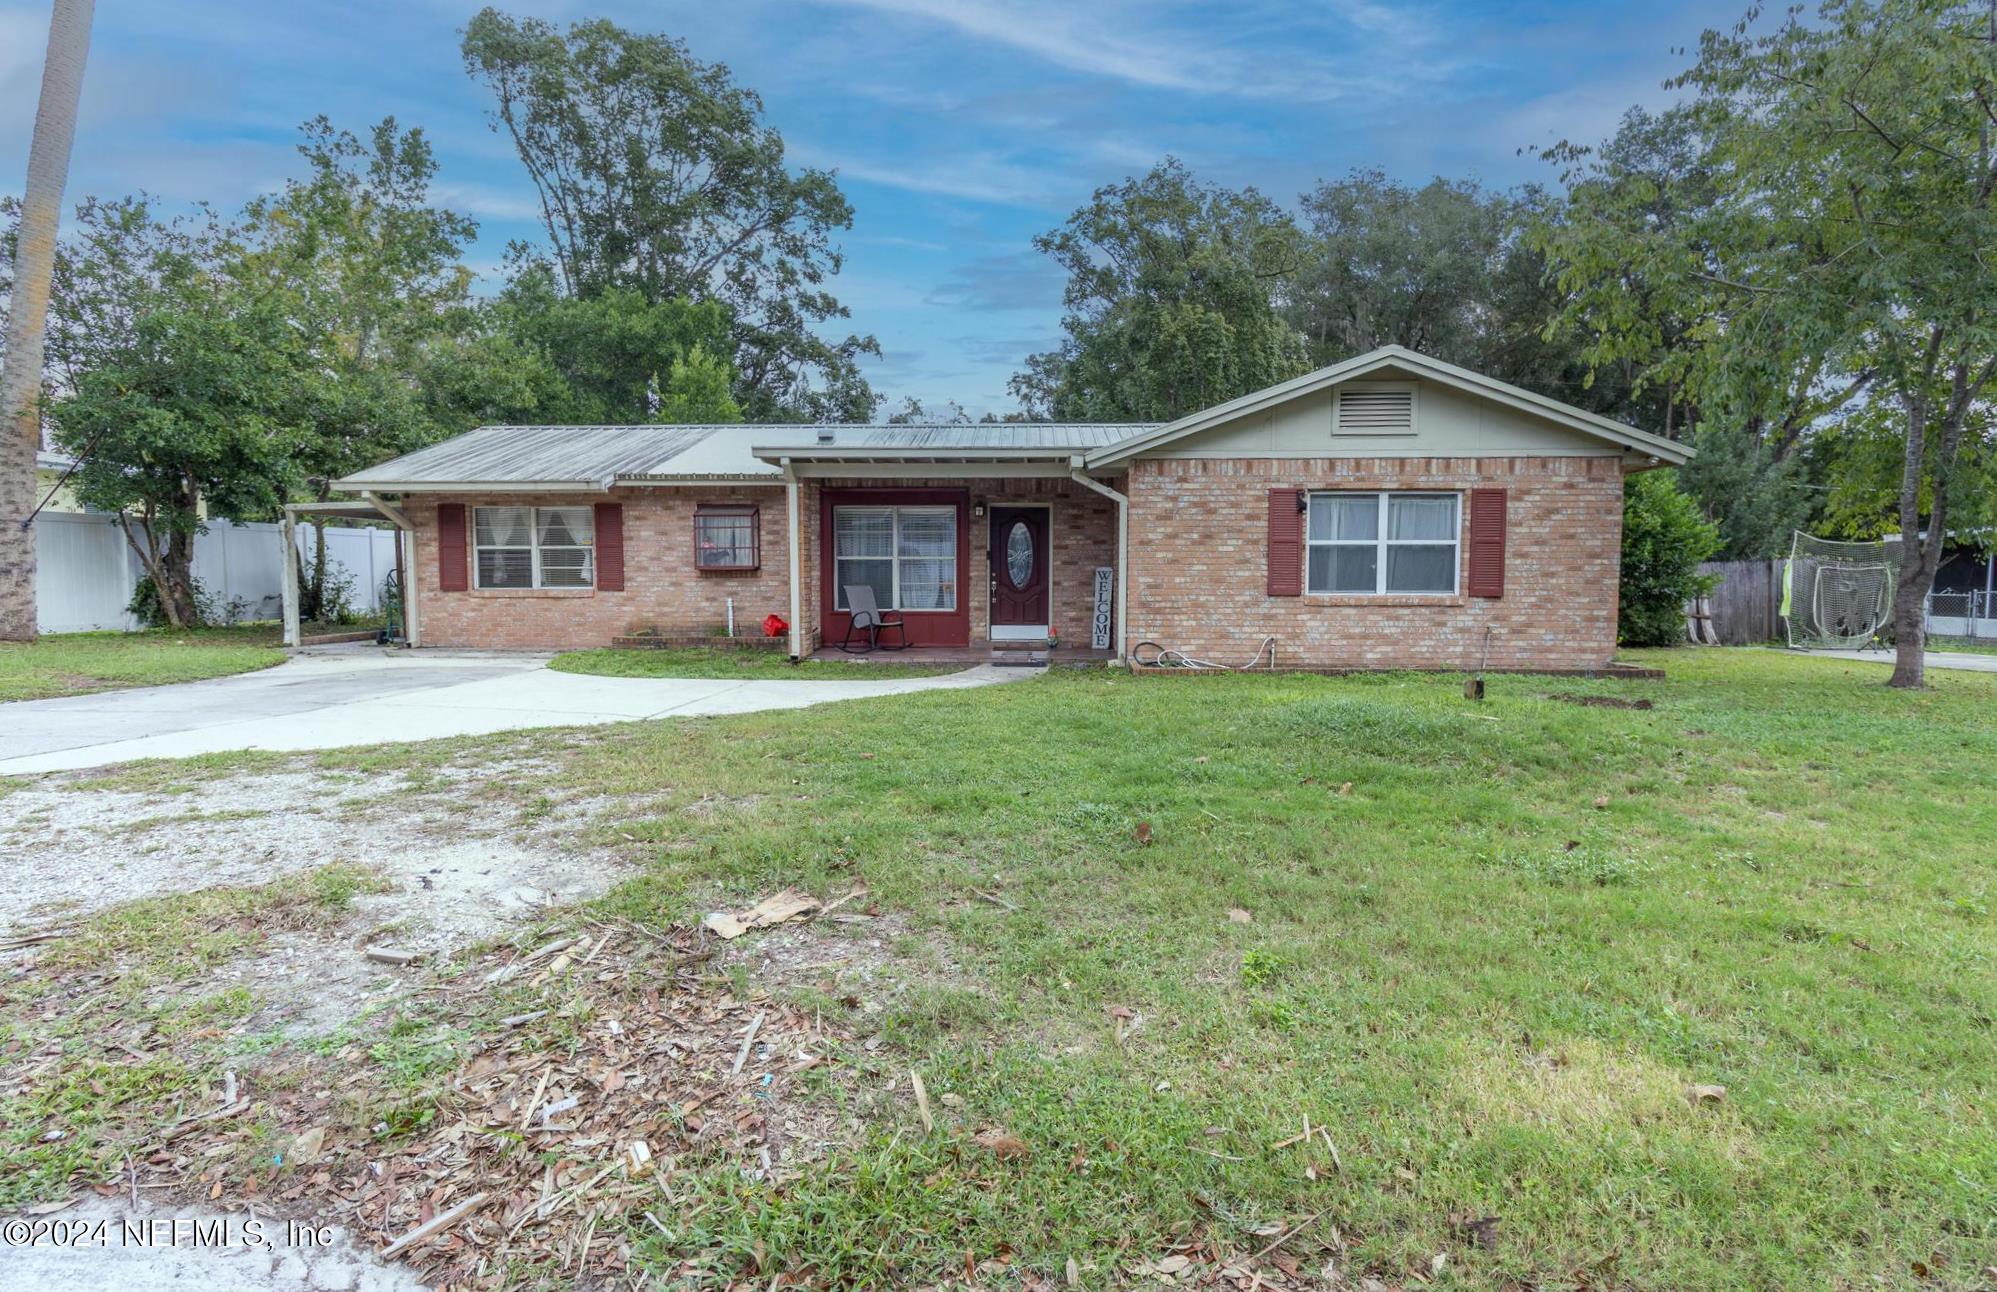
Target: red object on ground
{"type": "Point", "coordinates": [774, 626]}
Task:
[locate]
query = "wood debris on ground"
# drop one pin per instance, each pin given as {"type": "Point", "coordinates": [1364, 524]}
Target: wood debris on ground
{"type": "Point", "coordinates": [778, 908]}
{"type": "Point", "coordinates": [543, 1150]}
{"type": "Point", "coordinates": [1273, 1258]}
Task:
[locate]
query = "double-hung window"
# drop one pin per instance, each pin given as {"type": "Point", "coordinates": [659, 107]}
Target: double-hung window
{"type": "Point", "coordinates": [1382, 543]}
{"type": "Point", "coordinates": [534, 547]}
{"type": "Point", "coordinates": [907, 555]}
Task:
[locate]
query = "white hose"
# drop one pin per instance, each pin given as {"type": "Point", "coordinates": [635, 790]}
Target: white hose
{"type": "Point", "coordinates": [1179, 659]}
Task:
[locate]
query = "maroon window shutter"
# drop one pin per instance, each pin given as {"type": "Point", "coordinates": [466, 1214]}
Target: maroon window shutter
{"type": "Point", "coordinates": [1286, 544]}
{"type": "Point", "coordinates": [1487, 542]}
{"type": "Point", "coordinates": [610, 547]}
{"type": "Point", "coordinates": [452, 572]}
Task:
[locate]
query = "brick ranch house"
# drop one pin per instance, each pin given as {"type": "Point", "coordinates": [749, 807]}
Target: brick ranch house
{"type": "Point", "coordinates": [1384, 512]}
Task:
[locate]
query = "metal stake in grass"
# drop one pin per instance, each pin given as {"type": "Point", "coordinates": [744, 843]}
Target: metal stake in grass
{"type": "Point", "coordinates": [1473, 687]}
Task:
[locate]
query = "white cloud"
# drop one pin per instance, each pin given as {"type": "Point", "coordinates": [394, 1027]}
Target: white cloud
{"type": "Point", "coordinates": [972, 177]}
{"type": "Point", "coordinates": [1126, 42]}
{"type": "Point", "coordinates": [1585, 113]}
{"type": "Point", "coordinates": [489, 202]}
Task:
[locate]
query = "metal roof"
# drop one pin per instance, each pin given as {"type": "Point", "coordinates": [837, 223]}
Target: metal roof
{"type": "Point", "coordinates": [594, 457]}
{"type": "Point", "coordinates": [574, 456]}
{"type": "Point", "coordinates": [1050, 436]}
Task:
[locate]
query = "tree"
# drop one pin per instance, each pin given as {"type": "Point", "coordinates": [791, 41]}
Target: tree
{"type": "Point", "coordinates": [1851, 240]}
{"type": "Point", "coordinates": [1448, 269]}
{"type": "Point", "coordinates": [699, 389]}
{"type": "Point", "coordinates": [1664, 540]}
{"type": "Point", "coordinates": [28, 299]}
{"type": "Point", "coordinates": [657, 175]}
{"type": "Point", "coordinates": [614, 357]}
{"type": "Point", "coordinates": [912, 413]}
{"type": "Point", "coordinates": [1170, 304]}
{"type": "Point", "coordinates": [1629, 252]}
{"type": "Point", "coordinates": [373, 278]}
{"type": "Point", "coordinates": [1387, 264]}
{"type": "Point", "coordinates": [192, 405]}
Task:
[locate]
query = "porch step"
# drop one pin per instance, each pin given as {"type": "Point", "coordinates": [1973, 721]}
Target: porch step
{"type": "Point", "coordinates": [1019, 658]}
{"type": "Point", "coordinates": [1020, 644]}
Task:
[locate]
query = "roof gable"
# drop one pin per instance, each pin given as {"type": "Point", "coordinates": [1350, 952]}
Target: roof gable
{"type": "Point", "coordinates": [1389, 362]}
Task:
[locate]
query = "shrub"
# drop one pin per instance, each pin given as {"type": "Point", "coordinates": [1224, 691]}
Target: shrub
{"type": "Point", "coordinates": [145, 605]}
{"type": "Point", "coordinates": [1664, 539]}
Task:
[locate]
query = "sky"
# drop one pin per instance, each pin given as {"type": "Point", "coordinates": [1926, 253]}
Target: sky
{"type": "Point", "coordinates": [958, 130]}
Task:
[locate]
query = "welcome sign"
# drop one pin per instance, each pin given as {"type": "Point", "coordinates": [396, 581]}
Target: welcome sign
{"type": "Point", "coordinates": [1099, 629]}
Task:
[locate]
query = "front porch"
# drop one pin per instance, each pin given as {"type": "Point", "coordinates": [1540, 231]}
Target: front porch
{"type": "Point", "coordinates": [980, 567]}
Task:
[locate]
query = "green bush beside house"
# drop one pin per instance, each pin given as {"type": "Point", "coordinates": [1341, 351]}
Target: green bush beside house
{"type": "Point", "coordinates": [1665, 538]}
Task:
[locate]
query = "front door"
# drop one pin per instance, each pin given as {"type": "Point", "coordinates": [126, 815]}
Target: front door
{"type": "Point", "coordinates": [1019, 572]}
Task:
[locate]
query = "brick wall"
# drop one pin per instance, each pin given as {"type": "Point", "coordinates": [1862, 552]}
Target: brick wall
{"type": "Point", "coordinates": [662, 589]}
{"type": "Point", "coordinates": [1199, 565]}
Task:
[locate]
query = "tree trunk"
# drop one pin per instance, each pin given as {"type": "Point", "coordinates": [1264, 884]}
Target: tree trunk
{"type": "Point", "coordinates": [1921, 555]}
{"type": "Point", "coordinates": [1910, 622]}
{"type": "Point", "coordinates": [148, 552]}
{"type": "Point", "coordinates": [177, 595]}
{"type": "Point", "coordinates": [27, 319]}
{"type": "Point", "coordinates": [315, 595]}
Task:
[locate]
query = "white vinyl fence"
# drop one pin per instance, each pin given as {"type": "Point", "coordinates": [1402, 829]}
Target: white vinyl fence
{"type": "Point", "coordinates": [88, 571]}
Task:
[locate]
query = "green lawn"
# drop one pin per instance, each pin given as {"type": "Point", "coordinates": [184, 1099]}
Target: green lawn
{"type": "Point", "coordinates": [1488, 952]}
{"type": "Point", "coordinates": [700, 661]}
{"type": "Point", "coordinates": [73, 663]}
{"type": "Point", "coordinates": [1490, 970]}
{"type": "Point", "coordinates": [1965, 645]}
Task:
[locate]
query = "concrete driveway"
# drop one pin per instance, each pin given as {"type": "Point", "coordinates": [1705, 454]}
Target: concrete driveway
{"type": "Point", "coordinates": [364, 696]}
{"type": "Point", "coordinates": [1967, 661]}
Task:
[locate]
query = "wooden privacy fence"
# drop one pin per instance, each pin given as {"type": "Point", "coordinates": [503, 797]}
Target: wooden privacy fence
{"type": "Point", "coordinates": [1747, 604]}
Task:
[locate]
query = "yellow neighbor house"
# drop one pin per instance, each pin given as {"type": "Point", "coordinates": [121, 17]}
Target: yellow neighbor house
{"type": "Point", "coordinates": [49, 468]}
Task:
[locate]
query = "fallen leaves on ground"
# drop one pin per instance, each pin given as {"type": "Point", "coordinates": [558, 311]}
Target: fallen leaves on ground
{"type": "Point", "coordinates": [624, 1062]}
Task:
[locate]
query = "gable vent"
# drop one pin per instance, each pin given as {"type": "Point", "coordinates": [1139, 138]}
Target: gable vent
{"type": "Point", "coordinates": [1374, 410]}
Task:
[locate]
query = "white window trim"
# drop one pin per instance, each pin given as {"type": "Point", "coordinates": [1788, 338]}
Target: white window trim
{"type": "Point", "coordinates": [895, 558]}
{"type": "Point", "coordinates": [1413, 389]}
{"type": "Point", "coordinates": [533, 548]}
{"type": "Point", "coordinates": [1380, 542]}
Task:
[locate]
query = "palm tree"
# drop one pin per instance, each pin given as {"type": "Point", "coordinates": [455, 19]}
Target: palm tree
{"type": "Point", "coordinates": [27, 315]}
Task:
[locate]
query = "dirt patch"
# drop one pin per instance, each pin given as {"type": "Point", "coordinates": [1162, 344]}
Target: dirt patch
{"type": "Point", "coordinates": [456, 866]}
{"type": "Point", "coordinates": [1603, 701]}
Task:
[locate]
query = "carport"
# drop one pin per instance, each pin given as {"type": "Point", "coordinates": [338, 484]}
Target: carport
{"type": "Point", "coordinates": [368, 508]}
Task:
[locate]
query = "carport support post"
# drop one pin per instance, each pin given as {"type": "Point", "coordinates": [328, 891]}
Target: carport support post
{"type": "Point", "coordinates": [405, 565]}
{"type": "Point", "coordinates": [795, 511]}
{"type": "Point", "coordinates": [288, 531]}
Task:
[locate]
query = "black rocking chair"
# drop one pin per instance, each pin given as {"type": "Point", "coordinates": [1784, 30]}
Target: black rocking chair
{"type": "Point", "coordinates": [869, 621]}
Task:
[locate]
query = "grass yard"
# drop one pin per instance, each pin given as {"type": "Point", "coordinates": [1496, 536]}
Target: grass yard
{"type": "Point", "coordinates": [74, 663]}
{"type": "Point", "coordinates": [1500, 956]}
{"type": "Point", "coordinates": [1963, 645]}
{"type": "Point", "coordinates": [703, 661]}
{"type": "Point", "coordinates": [1491, 950]}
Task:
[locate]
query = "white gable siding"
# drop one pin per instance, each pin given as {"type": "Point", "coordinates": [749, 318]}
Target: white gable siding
{"type": "Point", "coordinates": [1448, 423]}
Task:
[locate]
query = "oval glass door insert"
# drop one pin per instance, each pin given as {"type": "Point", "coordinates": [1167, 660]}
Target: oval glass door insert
{"type": "Point", "coordinates": [1019, 554]}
